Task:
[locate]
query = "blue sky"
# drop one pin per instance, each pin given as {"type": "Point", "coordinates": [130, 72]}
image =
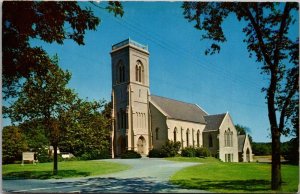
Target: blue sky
{"type": "Point", "coordinates": [229, 81]}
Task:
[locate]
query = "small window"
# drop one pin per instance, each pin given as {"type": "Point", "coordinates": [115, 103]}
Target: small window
{"type": "Point", "coordinates": [156, 133]}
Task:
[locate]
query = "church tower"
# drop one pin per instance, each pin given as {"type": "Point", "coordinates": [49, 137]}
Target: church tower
{"type": "Point", "coordinates": [130, 98]}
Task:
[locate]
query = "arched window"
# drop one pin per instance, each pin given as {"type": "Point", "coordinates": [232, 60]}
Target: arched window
{"type": "Point", "coordinates": [187, 137]}
{"type": "Point", "coordinates": [228, 138]}
{"type": "Point", "coordinates": [139, 71]}
{"type": "Point", "coordinates": [156, 133]}
{"type": "Point", "coordinates": [198, 138]}
{"type": "Point", "coordinates": [121, 72]}
{"type": "Point", "coordinates": [210, 141]}
{"type": "Point", "coordinates": [193, 138]}
{"type": "Point", "coordinates": [175, 134]}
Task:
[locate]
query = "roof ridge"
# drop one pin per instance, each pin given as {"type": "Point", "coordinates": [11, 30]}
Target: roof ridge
{"type": "Point", "coordinates": [216, 114]}
{"type": "Point", "coordinates": [175, 100]}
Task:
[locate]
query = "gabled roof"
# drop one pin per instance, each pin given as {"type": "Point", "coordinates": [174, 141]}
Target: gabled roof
{"type": "Point", "coordinates": [241, 141]}
{"type": "Point", "coordinates": [213, 122]}
{"type": "Point", "coordinates": [179, 110]}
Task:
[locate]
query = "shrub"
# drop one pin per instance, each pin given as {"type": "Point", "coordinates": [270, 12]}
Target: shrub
{"type": "Point", "coordinates": [130, 154]}
{"type": "Point", "coordinates": [43, 156]}
{"type": "Point", "coordinates": [202, 152]}
{"type": "Point", "coordinates": [188, 152]}
{"type": "Point", "coordinates": [170, 149]}
{"type": "Point", "coordinates": [155, 153]}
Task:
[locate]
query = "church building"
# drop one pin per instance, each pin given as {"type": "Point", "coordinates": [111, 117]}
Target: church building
{"type": "Point", "coordinates": [142, 121]}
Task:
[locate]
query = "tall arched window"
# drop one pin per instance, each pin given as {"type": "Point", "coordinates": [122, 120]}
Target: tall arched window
{"type": "Point", "coordinates": [198, 138]}
{"type": "Point", "coordinates": [228, 138]}
{"type": "Point", "coordinates": [210, 141]}
{"type": "Point", "coordinates": [139, 71]}
{"type": "Point", "coordinates": [187, 137]}
{"type": "Point", "coordinates": [156, 133]}
{"type": "Point", "coordinates": [121, 72]}
{"type": "Point", "coordinates": [193, 137]}
{"type": "Point", "coordinates": [175, 134]}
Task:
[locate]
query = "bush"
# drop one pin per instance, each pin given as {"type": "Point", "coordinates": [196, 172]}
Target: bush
{"type": "Point", "coordinates": [93, 155]}
{"type": "Point", "coordinates": [170, 149]}
{"type": "Point", "coordinates": [155, 153]}
{"type": "Point", "coordinates": [43, 156]}
{"type": "Point", "coordinates": [202, 152]}
{"type": "Point", "coordinates": [188, 152]}
{"type": "Point", "coordinates": [130, 154]}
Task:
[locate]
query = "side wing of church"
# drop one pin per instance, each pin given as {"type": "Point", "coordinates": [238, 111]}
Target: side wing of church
{"type": "Point", "coordinates": [142, 121]}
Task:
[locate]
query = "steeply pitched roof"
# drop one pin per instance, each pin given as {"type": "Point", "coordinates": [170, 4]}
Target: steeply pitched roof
{"type": "Point", "coordinates": [179, 110]}
{"type": "Point", "coordinates": [213, 122]}
{"type": "Point", "coordinates": [241, 141]}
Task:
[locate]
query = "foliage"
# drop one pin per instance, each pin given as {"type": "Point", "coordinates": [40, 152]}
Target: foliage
{"type": "Point", "coordinates": [202, 152]}
{"type": "Point", "coordinates": [242, 130]}
{"type": "Point", "coordinates": [155, 153]}
{"type": "Point", "coordinates": [268, 37]}
{"type": "Point", "coordinates": [195, 152]}
{"type": "Point", "coordinates": [87, 131]}
{"type": "Point", "coordinates": [216, 176]}
{"type": "Point", "coordinates": [13, 144]}
{"type": "Point", "coordinates": [188, 152]}
{"type": "Point", "coordinates": [68, 169]}
{"type": "Point", "coordinates": [170, 149]}
{"type": "Point", "coordinates": [46, 98]}
{"type": "Point", "coordinates": [49, 21]}
{"type": "Point", "coordinates": [261, 149]}
{"type": "Point", "coordinates": [291, 151]}
{"type": "Point", "coordinates": [130, 154]}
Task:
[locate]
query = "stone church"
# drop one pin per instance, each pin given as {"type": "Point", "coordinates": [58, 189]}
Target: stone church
{"type": "Point", "coordinates": [142, 121]}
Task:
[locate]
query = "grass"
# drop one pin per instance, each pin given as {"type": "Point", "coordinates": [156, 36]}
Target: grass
{"type": "Point", "coordinates": [215, 176]}
{"type": "Point", "coordinates": [66, 169]}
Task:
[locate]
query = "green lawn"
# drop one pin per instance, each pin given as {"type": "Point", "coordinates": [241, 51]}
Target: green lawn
{"type": "Point", "coordinates": [65, 169]}
{"type": "Point", "coordinates": [215, 176]}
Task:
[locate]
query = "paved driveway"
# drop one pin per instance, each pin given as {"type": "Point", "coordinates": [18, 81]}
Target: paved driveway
{"type": "Point", "coordinates": [146, 175]}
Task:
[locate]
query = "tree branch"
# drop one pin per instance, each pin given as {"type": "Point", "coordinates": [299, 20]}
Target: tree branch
{"type": "Point", "coordinates": [280, 33]}
{"type": "Point", "coordinates": [259, 35]}
{"type": "Point", "coordinates": [287, 102]}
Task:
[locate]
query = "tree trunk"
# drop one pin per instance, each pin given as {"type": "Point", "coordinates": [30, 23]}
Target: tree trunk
{"type": "Point", "coordinates": [276, 166]}
{"type": "Point", "coordinates": [55, 160]}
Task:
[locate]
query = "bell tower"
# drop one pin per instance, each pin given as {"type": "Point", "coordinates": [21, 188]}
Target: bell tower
{"type": "Point", "coordinates": [130, 98]}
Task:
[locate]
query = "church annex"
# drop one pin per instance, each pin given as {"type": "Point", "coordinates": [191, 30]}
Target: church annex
{"type": "Point", "coordinates": [142, 121]}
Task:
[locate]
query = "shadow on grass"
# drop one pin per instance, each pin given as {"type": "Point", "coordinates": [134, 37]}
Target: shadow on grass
{"type": "Point", "coordinates": [230, 185]}
{"type": "Point", "coordinates": [43, 174]}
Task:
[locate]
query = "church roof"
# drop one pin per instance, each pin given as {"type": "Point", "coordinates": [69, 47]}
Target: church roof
{"type": "Point", "coordinates": [241, 141]}
{"type": "Point", "coordinates": [179, 110]}
{"type": "Point", "coordinates": [213, 122]}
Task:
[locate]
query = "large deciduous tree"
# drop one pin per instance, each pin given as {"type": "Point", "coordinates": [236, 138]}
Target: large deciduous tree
{"type": "Point", "coordinates": [267, 36]}
{"type": "Point", "coordinates": [50, 21]}
{"type": "Point", "coordinates": [45, 97]}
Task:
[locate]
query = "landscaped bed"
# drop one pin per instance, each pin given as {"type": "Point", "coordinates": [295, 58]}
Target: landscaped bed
{"type": "Point", "coordinates": [66, 169]}
{"type": "Point", "coordinates": [215, 176]}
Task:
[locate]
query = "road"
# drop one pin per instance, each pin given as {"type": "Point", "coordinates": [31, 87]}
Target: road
{"type": "Point", "coordinates": [146, 175]}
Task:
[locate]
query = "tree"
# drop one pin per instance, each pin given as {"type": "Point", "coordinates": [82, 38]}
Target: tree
{"type": "Point", "coordinates": [13, 144]}
{"type": "Point", "coordinates": [242, 130]}
{"type": "Point", "coordinates": [45, 97]}
{"type": "Point", "coordinates": [50, 21]}
{"type": "Point", "coordinates": [88, 130]}
{"type": "Point", "coordinates": [267, 36]}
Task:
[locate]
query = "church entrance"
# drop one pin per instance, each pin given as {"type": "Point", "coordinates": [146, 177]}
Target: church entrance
{"type": "Point", "coordinates": [141, 145]}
